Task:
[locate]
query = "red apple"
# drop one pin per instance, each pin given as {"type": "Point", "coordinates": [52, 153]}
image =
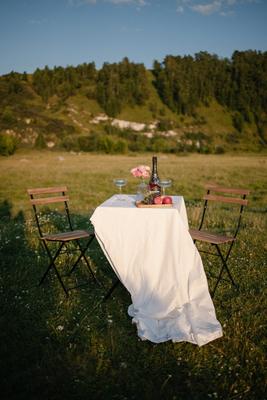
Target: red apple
{"type": "Point", "coordinates": [157, 200]}
{"type": "Point", "coordinates": [167, 200]}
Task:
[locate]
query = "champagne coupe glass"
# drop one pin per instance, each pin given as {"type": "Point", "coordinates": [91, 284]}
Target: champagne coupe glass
{"type": "Point", "coordinates": [165, 183]}
{"type": "Point", "coordinates": [120, 182]}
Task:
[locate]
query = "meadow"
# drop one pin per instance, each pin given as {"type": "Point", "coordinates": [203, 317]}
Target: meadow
{"type": "Point", "coordinates": [53, 347]}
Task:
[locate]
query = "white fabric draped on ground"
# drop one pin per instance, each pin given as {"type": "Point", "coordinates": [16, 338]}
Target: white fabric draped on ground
{"type": "Point", "coordinates": [155, 258]}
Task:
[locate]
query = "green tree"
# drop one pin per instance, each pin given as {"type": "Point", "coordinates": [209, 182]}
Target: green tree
{"type": "Point", "coordinates": [121, 84]}
{"type": "Point", "coordinates": [40, 142]}
{"type": "Point", "coordinates": [239, 84]}
{"type": "Point", "coordinates": [8, 116]}
{"type": "Point", "coordinates": [8, 144]}
{"type": "Point", "coordinates": [238, 121]}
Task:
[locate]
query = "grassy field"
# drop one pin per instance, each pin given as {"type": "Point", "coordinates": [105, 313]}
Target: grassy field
{"type": "Point", "coordinates": [80, 348]}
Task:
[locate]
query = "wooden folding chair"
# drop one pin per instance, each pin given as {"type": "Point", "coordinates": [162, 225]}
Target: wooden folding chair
{"type": "Point", "coordinates": [42, 198]}
{"type": "Point", "coordinates": [229, 196]}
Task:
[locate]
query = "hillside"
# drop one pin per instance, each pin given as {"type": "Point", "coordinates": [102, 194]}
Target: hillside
{"type": "Point", "coordinates": [80, 112]}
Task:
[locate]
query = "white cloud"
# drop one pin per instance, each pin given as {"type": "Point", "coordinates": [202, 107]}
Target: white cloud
{"type": "Point", "coordinates": [203, 7]}
{"type": "Point", "coordinates": [139, 3]}
{"type": "Point", "coordinates": [208, 7]}
{"type": "Point", "coordinates": [180, 9]}
{"type": "Point", "coordinates": [120, 1]}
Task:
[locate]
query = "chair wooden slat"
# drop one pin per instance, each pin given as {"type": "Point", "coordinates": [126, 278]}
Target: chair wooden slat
{"type": "Point", "coordinates": [224, 199]}
{"type": "Point", "coordinates": [49, 200]}
{"type": "Point", "coordinates": [210, 237]}
{"type": "Point", "coordinates": [66, 236]}
{"type": "Point", "coordinates": [47, 190]}
{"type": "Point", "coordinates": [220, 189]}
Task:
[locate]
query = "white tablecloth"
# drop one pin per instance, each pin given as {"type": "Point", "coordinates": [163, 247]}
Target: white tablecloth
{"type": "Point", "coordinates": [155, 258]}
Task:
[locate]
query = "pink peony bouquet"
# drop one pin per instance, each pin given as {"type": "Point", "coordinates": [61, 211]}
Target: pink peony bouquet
{"type": "Point", "coordinates": [142, 171]}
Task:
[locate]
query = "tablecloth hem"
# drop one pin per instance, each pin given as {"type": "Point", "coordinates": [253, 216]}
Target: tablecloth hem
{"type": "Point", "coordinates": [192, 340]}
{"type": "Point", "coordinates": [178, 329]}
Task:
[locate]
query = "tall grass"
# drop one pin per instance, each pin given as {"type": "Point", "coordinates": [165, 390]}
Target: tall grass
{"type": "Point", "coordinates": [82, 348]}
{"type": "Point", "coordinates": [90, 176]}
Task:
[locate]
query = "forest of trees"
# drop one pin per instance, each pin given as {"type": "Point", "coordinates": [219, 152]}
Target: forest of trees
{"type": "Point", "coordinates": [239, 84]}
{"type": "Point", "coordinates": [121, 84]}
{"type": "Point", "coordinates": [182, 82]}
{"type": "Point", "coordinates": [113, 86]}
{"type": "Point", "coordinates": [63, 82]}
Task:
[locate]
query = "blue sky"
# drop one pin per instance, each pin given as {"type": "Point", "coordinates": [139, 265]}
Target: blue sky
{"type": "Point", "coordinates": [35, 33]}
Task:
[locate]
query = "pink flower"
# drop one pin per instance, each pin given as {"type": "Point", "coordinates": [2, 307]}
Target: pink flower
{"type": "Point", "coordinates": [142, 171]}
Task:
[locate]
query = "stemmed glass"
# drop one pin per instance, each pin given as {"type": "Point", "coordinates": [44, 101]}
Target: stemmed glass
{"type": "Point", "coordinates": [165, 183]}
{"type": "Point", "coordinates": [120, 182]}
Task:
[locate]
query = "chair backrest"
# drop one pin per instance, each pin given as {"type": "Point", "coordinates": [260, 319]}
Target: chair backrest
{"type": "Point", "coordinates": [219, 194]}
{"type": "Point", "coordinates": [47, 196]}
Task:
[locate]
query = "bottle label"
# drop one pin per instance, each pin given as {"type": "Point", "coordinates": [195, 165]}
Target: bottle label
{"type": "Point", "coordinates": [154, 187]}
{"type": "Point", "coordinates": [154, 179]}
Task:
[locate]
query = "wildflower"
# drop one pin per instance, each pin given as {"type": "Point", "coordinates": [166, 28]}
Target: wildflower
{"type": "Point", "coordinates": [60, 327]}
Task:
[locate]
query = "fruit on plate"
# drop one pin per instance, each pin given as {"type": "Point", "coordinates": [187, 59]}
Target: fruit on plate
{"type": "Point", "coordinates": [158, 200]}
{"type": "Point", "coordinates": [167, 200]}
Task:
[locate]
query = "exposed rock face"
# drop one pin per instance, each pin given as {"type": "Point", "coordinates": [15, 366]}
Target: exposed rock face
{"type": "Point", "coordinates": [99, 118]}
{"type": "Point", "coordinates": [135, 126]}
{"type": "Point", "coordinates": [50, 144]}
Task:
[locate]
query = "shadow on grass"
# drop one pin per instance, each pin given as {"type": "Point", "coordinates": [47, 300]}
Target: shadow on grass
{"type": "Point", "coordinates": [53, 347]}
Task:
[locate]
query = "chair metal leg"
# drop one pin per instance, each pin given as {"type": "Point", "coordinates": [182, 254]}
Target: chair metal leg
{"type": "Point", "coordinates": [224, 267]}
{"type": "Point", "coordinates": [113, 287]}
{"type": "Point", "coordinates": [52, 265]}
{"type": "Point", "coordinates": [82, 255]}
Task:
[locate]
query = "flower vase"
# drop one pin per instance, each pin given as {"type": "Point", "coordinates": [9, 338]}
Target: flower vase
{"type": "Point", "coordinates": [141, 190]}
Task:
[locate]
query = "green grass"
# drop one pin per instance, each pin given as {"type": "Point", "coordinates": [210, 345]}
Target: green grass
{"type": "Point", "coordinates": [80, 348]}
{"type": "Point", "coordinates": [219, 120]}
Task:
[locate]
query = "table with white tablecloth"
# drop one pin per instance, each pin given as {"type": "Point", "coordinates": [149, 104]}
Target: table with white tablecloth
{"type": "Point", "coordinates": [153, 255]}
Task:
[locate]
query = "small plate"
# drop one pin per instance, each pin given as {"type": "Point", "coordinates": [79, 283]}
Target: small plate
{"type": "Point", "coordinates": [140, 204]}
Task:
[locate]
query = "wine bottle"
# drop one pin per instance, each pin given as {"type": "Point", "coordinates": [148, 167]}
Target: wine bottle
{"type": "Point", "coordinates": [154, 179]}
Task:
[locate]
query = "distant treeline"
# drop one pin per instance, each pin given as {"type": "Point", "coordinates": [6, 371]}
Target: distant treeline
{"type": "Point", "coordinates": [239, 84]}
{"type": "Point", "coordinates": [113, 86]}
{"type": "Point", "coordinates": [183, 83]}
